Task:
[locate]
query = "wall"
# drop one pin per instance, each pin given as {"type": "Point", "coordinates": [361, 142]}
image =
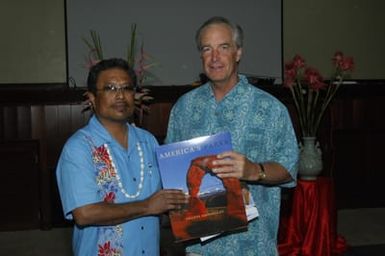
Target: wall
{"type": "Point", "coordinates": [167, 29]}
{"type": "Point", "coordinates": [315, 29]}
{"type": "Point", "coordinates": [32, 45]}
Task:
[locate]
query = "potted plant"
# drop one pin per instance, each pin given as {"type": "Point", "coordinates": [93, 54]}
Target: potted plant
{"type": "Point", "coordinates": [140, 61]}
{"type": "Point", "coordinates": [312, 96]}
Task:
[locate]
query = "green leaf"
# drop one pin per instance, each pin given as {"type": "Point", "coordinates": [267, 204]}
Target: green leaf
{"type": "Point", "coordinates": [132, 46]}
{"type": "Point", "coordinates": [95, 45]}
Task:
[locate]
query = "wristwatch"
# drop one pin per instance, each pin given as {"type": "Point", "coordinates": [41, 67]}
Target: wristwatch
{"type": "Point", "coordinates": [262, 173]}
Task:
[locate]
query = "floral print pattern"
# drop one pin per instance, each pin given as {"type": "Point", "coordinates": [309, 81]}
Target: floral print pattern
{"type": "Point", "coordinates": [110, 238]}
{"type": "Point", "coordinates": [106, 250]}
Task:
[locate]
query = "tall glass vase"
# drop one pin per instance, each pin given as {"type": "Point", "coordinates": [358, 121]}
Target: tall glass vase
{"type": "Point", "coordinates": [310, 159]}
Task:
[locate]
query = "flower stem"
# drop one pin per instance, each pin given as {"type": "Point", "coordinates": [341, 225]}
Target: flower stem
{"type": "Point", "coordinates": [329, 96]}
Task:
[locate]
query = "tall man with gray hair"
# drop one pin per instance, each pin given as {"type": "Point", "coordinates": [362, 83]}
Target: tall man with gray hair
{"type": "Point", "coordinates": [265, 148]}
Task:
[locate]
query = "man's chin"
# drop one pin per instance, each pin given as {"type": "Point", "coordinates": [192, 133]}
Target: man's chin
{"type": "Point", "coordinates": [114, 119]}
{"type": "Point", "coordinates": [122, 117]}
{"type": "Point", "coordinates": [216, 75]}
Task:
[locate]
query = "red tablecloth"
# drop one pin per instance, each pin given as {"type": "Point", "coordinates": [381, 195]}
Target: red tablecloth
{"type": "Point", "coordinates": [310, 229]}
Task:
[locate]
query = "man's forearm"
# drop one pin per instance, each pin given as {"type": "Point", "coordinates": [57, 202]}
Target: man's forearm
{"type": "Point", "coordinates": [274, 173]}
{"type": "Point", "coordinates": [109, 213]}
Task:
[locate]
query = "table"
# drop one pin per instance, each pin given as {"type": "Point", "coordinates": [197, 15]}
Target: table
{"type": "Point", "coordinates": [311, 227]}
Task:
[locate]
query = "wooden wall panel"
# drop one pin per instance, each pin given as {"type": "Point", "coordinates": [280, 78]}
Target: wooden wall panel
{"type": "Point", "coordinates": [23, 122]}
{"type": "Point", "coordinates": [60, 121]}
{"type": "Point", "coordinates": [10, 123]}
{"type": "Point", "coordinates": [157, 119]}
{"type": "Point", "coordinates": [19, 189]}
{"type": "Point", "coordinates": [352, 137]}
{"type": "Point", "coordinates": [359, 170]}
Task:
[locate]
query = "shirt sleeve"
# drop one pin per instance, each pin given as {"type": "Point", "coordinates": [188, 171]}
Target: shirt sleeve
{"type": "Point", "coordinates": [286, 151]}
{"type": "Point", "coordinates": [76, 176]}
{"type": "Point", "coordinates": [172, 125]}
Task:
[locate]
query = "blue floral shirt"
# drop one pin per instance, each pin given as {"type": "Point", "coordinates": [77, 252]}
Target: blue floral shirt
{"type": "Point", "coordinates": [90, 168]}
{"type": "Point", "coordinates": [261, 129]}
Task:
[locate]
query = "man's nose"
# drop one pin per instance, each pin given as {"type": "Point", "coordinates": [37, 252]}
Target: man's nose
{"type": "Point", "coordinates": [215, 54]}
{"type": "Point", "coordinates": [119, 92]}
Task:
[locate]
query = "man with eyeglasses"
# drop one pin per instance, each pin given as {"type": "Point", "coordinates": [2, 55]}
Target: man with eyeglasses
{"type": "Point", "coordinates": [107, 173]}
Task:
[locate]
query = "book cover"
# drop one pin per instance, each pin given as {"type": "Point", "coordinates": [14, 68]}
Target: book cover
{"type": "Point", "coordinates": [250, 208]}
{"type": "Point", "coordinates": [215, 205]}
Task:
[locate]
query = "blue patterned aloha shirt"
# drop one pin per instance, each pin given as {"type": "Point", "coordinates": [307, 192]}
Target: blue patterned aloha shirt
{"type": "Point", "coordinates": [87, 173]}
{"type": "Point", "coordinates": [261, 129]}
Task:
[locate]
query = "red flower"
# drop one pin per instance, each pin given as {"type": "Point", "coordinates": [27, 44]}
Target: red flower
{"type": "Point", "coordinates": [343, 63]}
{"type": "Point", "coordinates": [298, 62]}
{"type": "Point", "coordinates": [292, 69]}
{"type": "Point", "coordinates": [290, 75]}
{"type": "Point", "coordinates": [109, 197]}
{"type": "Point", "coordinates": [347, 64]}
{"type": "Point", "coordinates": [101, 154]}
{"type": "Point", "coordinates": [314, 79]}
{"type": "Point", "coordinates": [338, 56]}
{"type": "Point", "coordinates": [106, 250]}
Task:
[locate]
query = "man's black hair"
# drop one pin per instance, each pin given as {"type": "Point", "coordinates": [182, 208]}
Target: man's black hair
{"type": "Point", "coordinates": [106, 64]}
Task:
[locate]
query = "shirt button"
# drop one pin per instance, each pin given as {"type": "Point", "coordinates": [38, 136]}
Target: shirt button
{"type": "Point", "coordinates": [142, 251]}
{"type": "Point", "coordinates": [134, 179]}
{"type": "Point", "coordinates": [141, 227]}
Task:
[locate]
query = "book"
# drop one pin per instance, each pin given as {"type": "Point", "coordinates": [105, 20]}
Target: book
{"type": "Point", "coordinates": [250, 208]}
{"type": "Point", "coordinates": [215, 205]}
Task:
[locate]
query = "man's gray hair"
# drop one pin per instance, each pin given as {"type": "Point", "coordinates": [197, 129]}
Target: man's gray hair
{"type": "Point", "coordinates": [235, 28]}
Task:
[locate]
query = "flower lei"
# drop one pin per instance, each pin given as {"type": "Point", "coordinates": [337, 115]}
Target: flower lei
{"type": "Point", "coordinates": [102, 155]}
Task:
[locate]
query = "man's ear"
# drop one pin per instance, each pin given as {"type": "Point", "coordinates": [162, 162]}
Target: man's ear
{"type": "Point", "coordinates": [239, 54]}
{"type": "Point", "coordinates": [90, 98]}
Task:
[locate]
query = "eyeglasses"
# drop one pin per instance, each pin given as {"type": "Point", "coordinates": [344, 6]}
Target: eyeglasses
{"type": "Point", "coordinates": [114, 89]}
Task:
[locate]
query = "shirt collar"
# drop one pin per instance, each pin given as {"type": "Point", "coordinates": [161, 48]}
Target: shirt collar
{"type": "Point", "coordinates": [104, 137]}
{"type": "Point", "coordinates": [239, 87]}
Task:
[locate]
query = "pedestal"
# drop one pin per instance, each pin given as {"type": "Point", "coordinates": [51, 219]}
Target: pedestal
{"type": "Point", "coordinates": [310, 229]}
